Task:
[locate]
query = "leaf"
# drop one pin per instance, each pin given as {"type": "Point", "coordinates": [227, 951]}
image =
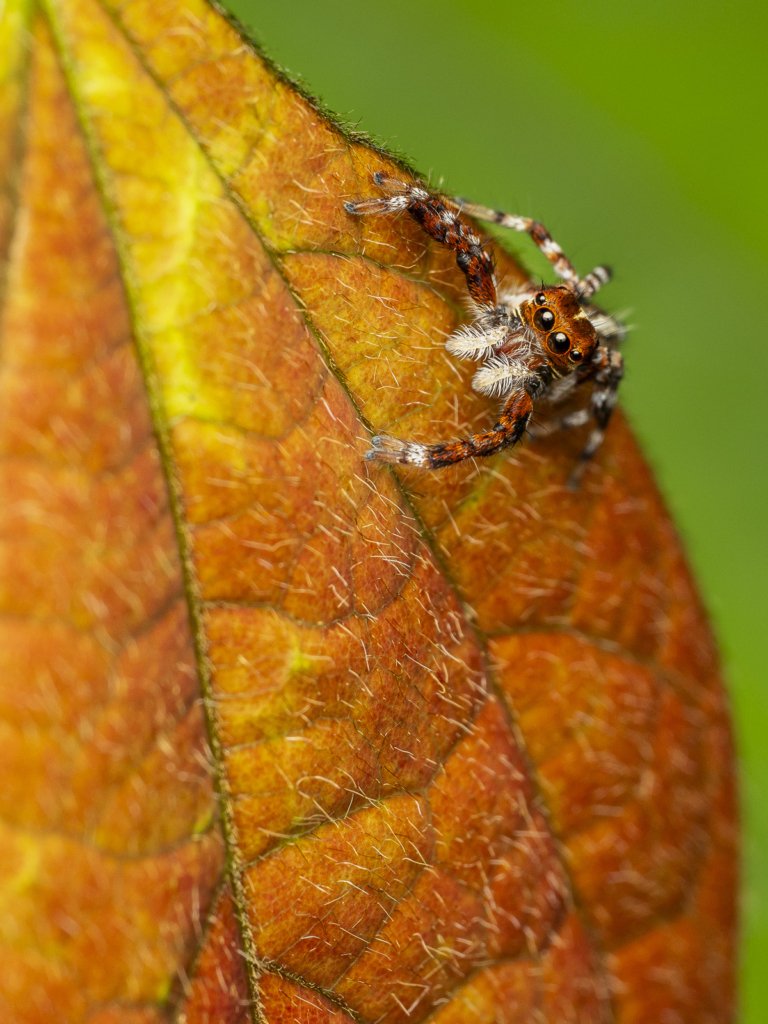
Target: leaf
{"type": "Point", "coordinates": [466, 729]}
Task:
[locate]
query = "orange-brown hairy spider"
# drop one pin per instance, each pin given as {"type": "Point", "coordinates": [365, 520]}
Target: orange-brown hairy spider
{"type": "Point", "coordinates": [539, 342]}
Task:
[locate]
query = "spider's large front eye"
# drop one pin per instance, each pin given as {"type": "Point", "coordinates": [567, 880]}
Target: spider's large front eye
{"type": "Point", "coordinates": [559, 342]}
{"type": "Point", "coordinates": [544, 319]}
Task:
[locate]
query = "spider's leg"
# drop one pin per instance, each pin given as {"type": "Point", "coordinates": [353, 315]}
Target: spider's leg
{"type": "Point", "coordinates": [500, 376]}
{"type": "Point", "coordinates": [610, 370]}
{"type": "Point", "coordinates": [592, 282]}
{"type": "Point", "coordinates": [507, 432]}
{"type": "Point", "coordinates": [610, 328]}
{"type": "Point", "coordinates": [546, 429]}
{"type": "Point", "coordinates": [442, 224]}
{"type": "Point", "coordinates": [584, 287]}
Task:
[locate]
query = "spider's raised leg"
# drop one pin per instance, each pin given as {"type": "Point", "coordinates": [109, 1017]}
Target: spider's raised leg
{"type": "Point", "coordinates": [610, 328]}
{"type": "Point", "coordinates": [584, 287]}
{"type": "Point", "coordinates": [442, 224]}
{"type": "Point", "coordinates": [573, 419]}
{"type": "Point", "coordinates": [507, 432]}
{"type": "Point", "coordinates": [610, 370]}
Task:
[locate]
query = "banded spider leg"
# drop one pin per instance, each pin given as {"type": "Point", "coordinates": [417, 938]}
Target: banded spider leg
{"type": "Point", "coordinates": [584, 287]}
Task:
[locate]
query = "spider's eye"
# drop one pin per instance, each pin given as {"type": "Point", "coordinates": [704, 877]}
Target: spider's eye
{"type": "Point", "coordinates": [540, 299]}
{"type": "Point", "coordinates": [544, 319]}
{"type": "Point", "coordinates": [559, 342]}
{"type": "Point", "coordinates": [576, 356]}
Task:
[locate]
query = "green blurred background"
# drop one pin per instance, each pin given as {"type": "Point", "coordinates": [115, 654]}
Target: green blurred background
{"type": "Point", "coordinates": [635, 130]}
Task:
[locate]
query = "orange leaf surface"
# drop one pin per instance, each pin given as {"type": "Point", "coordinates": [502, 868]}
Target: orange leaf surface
{"type": "Point", "coordinates": [287, 738]}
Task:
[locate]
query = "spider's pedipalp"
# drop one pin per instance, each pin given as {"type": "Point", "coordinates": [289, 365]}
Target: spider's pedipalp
{"type": "Point", "coordinates": [474, 342]}
{"type": "Point", "coordinates": [499, 376]}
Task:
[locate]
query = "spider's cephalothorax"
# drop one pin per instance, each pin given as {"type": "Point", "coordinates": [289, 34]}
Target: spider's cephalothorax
{"type": "Point", "coordinates": [535, 343]}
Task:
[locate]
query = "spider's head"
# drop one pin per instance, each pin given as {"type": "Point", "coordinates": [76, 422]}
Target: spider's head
{"type": "Point", "coordinates": [564, 331]}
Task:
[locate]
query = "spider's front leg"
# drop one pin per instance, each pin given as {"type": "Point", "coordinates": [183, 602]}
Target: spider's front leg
{"type": "Point", "coordinates": [609, 370]}
{"type": "Point", "coordinates": [584, 287]}
{"type": "Point", "coordinates": [442, 224]}
{"type": "Point", "coordinates": [506, 432]}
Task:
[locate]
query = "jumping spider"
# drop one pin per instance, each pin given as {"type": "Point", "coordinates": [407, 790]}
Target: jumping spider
{"type": "Point", "coordinates": [535, 343]}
